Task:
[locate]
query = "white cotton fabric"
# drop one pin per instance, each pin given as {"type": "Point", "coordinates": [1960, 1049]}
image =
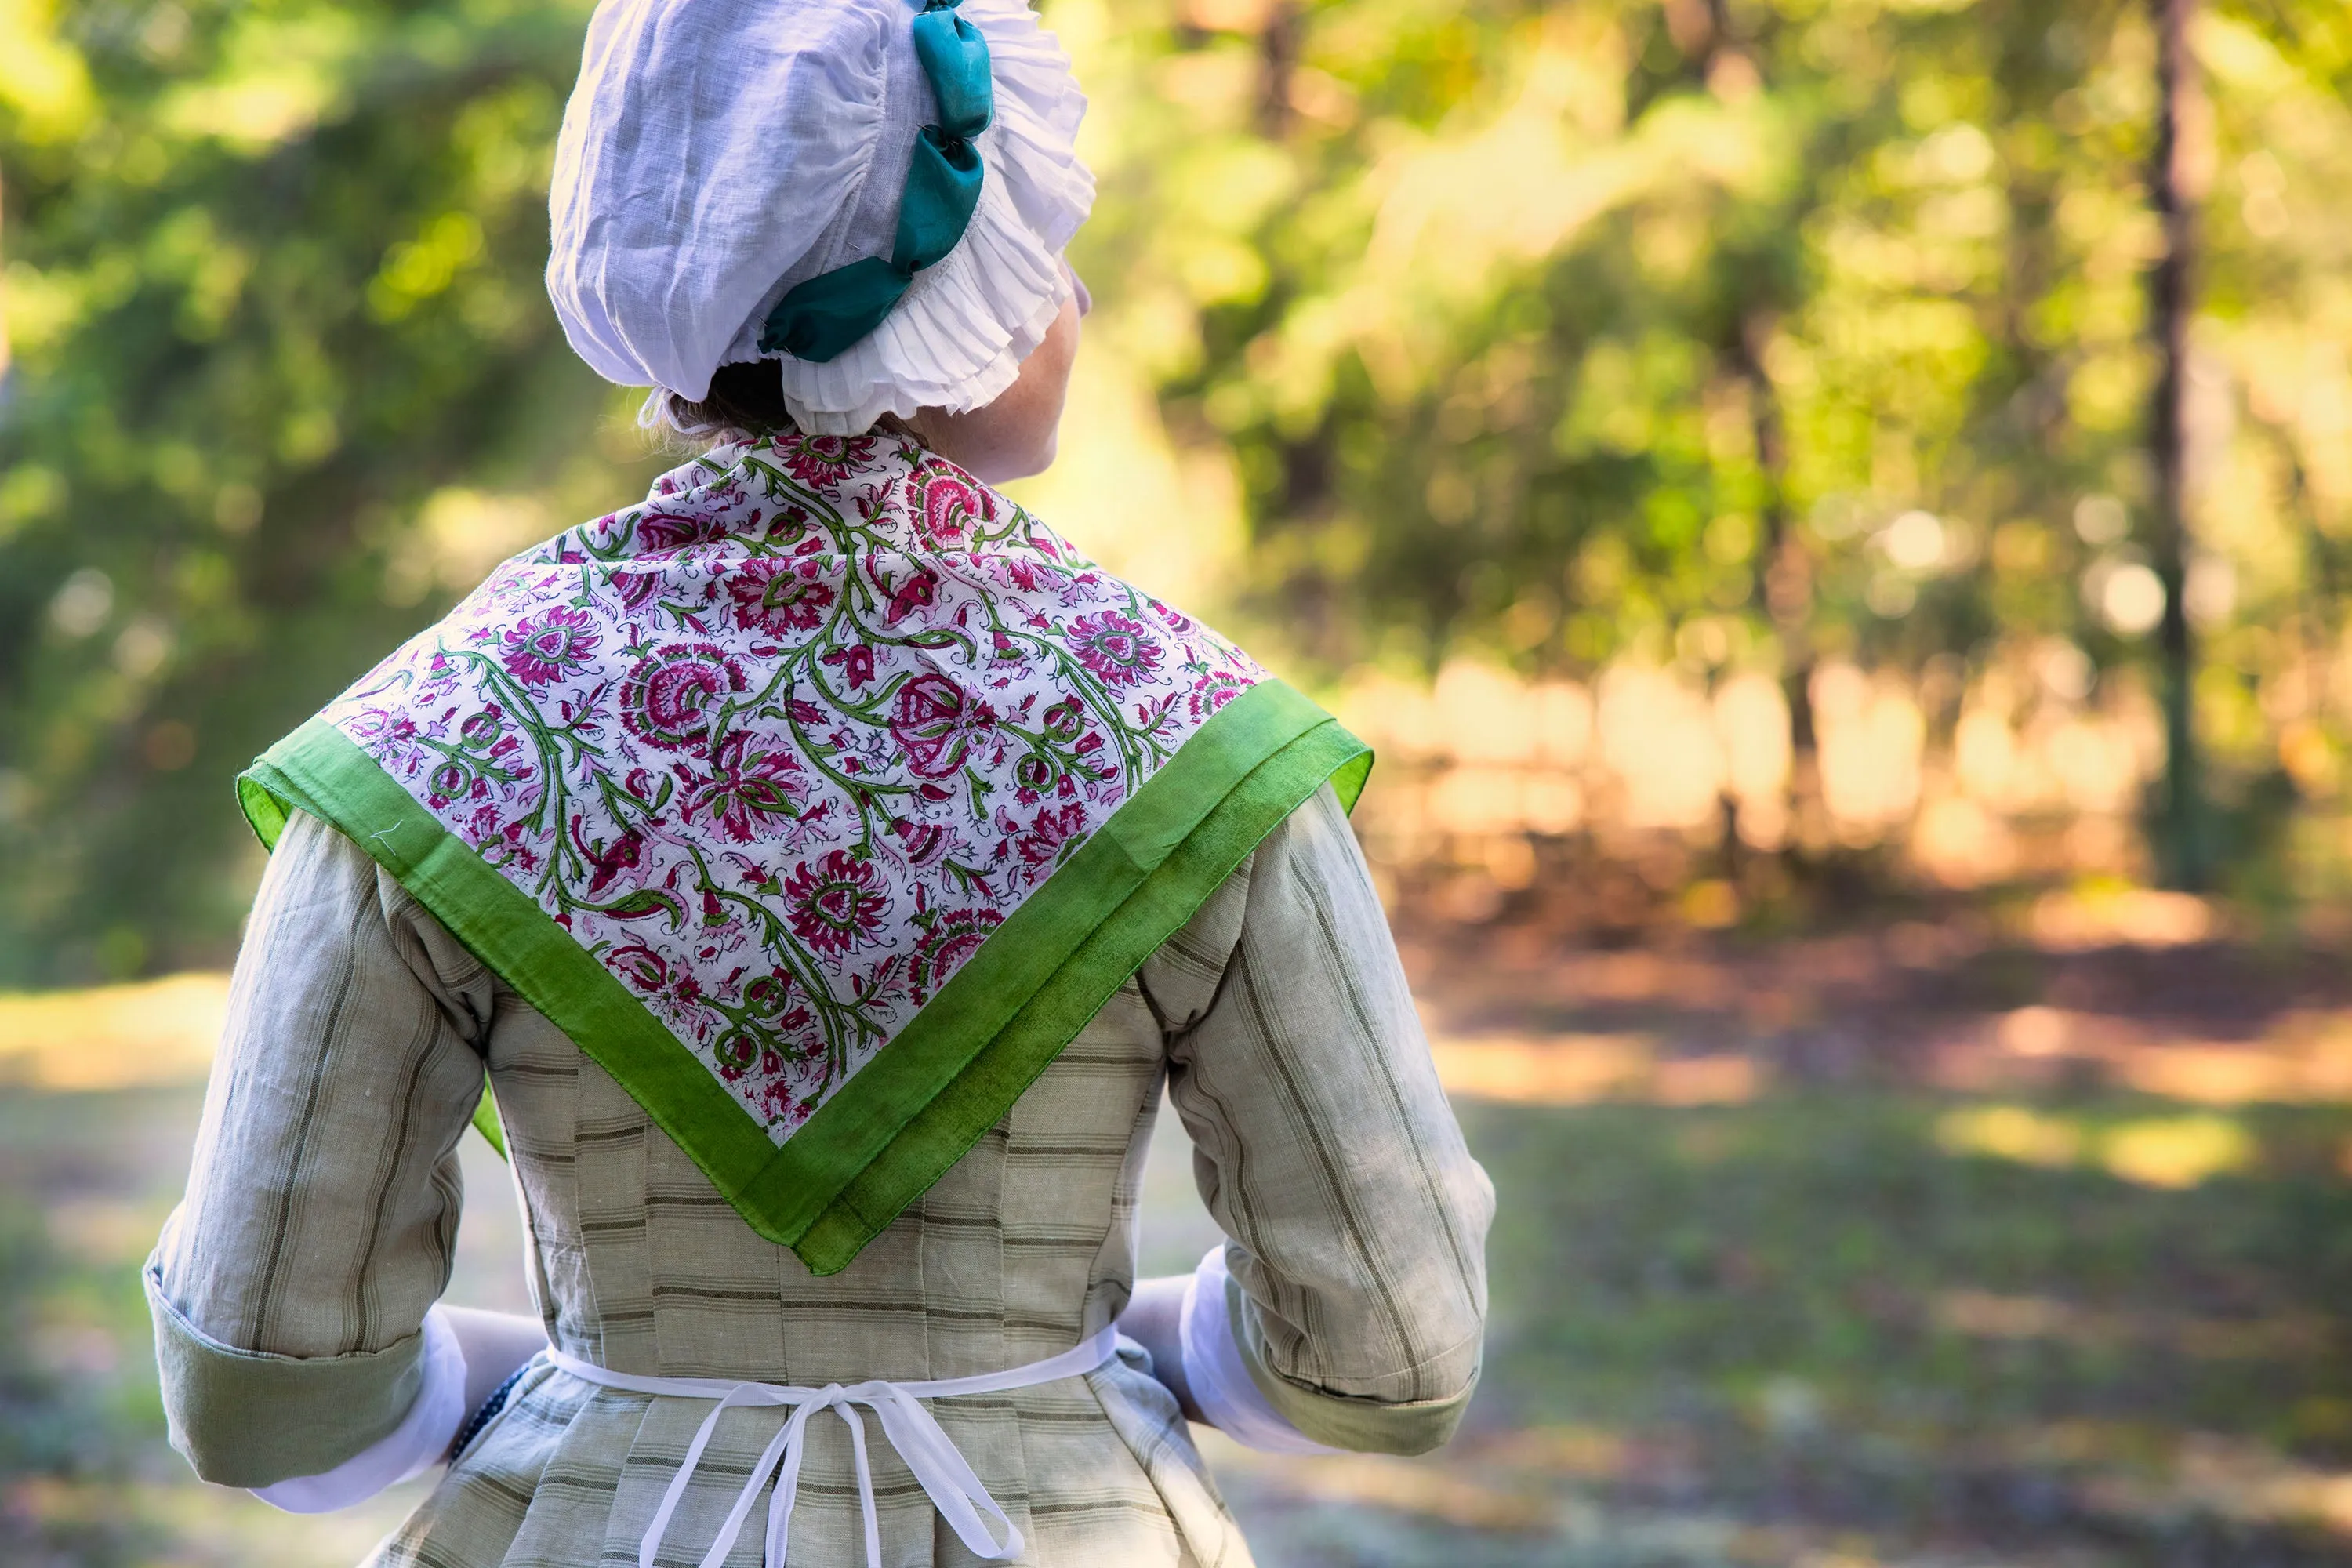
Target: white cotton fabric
{"type": "Point", "coordinates": [715, 154]}
{"type": "Point", "coordinates": [1221, 1382]}
{"type": "Point", "coordinates": [420, 1441]}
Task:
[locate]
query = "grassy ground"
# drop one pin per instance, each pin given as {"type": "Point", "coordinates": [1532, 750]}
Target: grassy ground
{"type": "Point", "coordinates": [86, 1479]}
{"type": "Point", "coordinates": [1811, 1330]}
{"type": "Point", "coordinates": [1867, 1307]}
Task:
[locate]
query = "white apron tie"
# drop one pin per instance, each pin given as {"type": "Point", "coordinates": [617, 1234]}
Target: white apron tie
{"type": "Point", "coordinates": [930, 1453]}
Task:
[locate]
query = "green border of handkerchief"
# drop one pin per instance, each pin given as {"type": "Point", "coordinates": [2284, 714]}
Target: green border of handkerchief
{"type": "Point", "coordinates": [952, 1072]}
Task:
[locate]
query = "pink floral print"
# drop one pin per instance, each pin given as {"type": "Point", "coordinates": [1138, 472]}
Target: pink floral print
{"type": "Point", "coordinates": [783, 747]}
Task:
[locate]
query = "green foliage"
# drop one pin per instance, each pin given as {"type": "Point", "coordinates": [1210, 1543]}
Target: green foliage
{"type": "Point", "coordinates": [273, 287]}
{"type": "Point", "coordinates": [1566, 329]}
{"type": "Point", "coordinates": [1742, 333]}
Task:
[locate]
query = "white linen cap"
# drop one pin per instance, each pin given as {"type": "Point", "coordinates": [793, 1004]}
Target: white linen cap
{"type": "Point", "coordinates": [716, 154]}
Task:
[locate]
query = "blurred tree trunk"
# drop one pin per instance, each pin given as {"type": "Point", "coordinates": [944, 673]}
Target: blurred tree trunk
{"type": "Point", "coordinates": [1782, 587]}
{"type": "Point", "coordinates": [1784, 574]}
{"type": "Point", "coordinates": [1278, 49]}
{"type": "Point", "coordinates": [2184, 851]}
{"type": "Point", "coordinates": [1783, 582]}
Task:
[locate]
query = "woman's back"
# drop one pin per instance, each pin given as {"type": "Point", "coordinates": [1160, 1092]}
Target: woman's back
{"type": "Point", "coordinates": [1277, 1019]}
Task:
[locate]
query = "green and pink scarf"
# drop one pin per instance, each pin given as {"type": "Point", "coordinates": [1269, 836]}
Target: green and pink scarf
{"type": "Point", "coordinates": [822, 798]}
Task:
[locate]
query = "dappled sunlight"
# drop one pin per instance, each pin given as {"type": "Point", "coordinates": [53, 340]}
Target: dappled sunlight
{"type": "Point", "coordinates": [1595, 1487]}
{"type": "Point", "coordinates": [1166, 518]}
{"type": "Point", "coordinates": [164, 1032]}
{"type": "Point", "coordinates": [115, 1037]}
{"type": "Point", "coordinates": [2011, 1132]}
{"type": "Point", "coordinates": [1576, 1069]}
{"type": "Point", "coordinates": [1453, 1494]}
{"type": "Point", "coordinates": [1718, 1240]}
{"type": "Point", "coordinates": [2176, 1152]}
{"type": "Point", "coordinates": [458, 535]}
{"type": "Point", "coordinates": [2153, 1149]}
{"type": "Point", "coordinates": [2156, 1152]}
{"type": "Point", "coordinates": [2041, 787]}
{"type": "Point", "coordinates": [2074, 920]}
{"type": "Point", "coordinates": [2302, 1055]}
{"type": "Point", "coordinates": [2238, 1480]}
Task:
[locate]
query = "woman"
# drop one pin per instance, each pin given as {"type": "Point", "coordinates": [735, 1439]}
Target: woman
{"type": "Point", "coordinates": [830, 869]}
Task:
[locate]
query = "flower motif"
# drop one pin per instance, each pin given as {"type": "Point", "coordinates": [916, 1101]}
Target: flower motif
{"type": "Point", "coordinates": [1015, 569]}
{"type": "Point", "coordinates": [1064, 720]}
{"type": "Point", "coordinates": [954, 938]}
{"type": "Point", "coordinates": [511, 847]}
{"type": "Point", "coordinates": [666, 699]}
{"type": "Point", "coordinates": [821, 462]}
{"type": "Point", "coordinates": [510, 592]}
{"type": "Point", "coordinates": [1051, 834]}
{"type": "Point", "coordinates": [452, 781]}
{"type": "Point", "coordinates": [659, 532]}
{"type": "Point", "coordinates": [638, 964]}
{"type": "Point", "coordinates": [745, 790]}
{"type": "Point", "coordinates": [540, 650]}
{"type": "Point", "coordinates": [915, 591]}
{"type": "Point", "coordinates": [935, 722]}
{"type": "Point", "coordinates": [856, 662]}
{"type": "Point", "coordinates": [948, 504]}
{"type": "Point", "coordinates": [766, 995]}
{"type": "Point", "coordinates": [1178, 621]}
{"type": "Point", "coordinates": [839, 903]}
{"type": "Point", "coordinates": [922, 843]}
{"type": "Point", "coordinates": [777, 1106]}
{"type": "Point", "coordinates": [1115, 647]}
{"type": "Point", "coordinates": [636, 585]}
{"type": "Point", "coordinates": [767, 1049]}
{"type": "Point", "coordinates": [778, 598]}
{"type": "Point", "coordinates": [606, 861]}
{"type": "Point", "coordinates": [737, 1050]}
{"type": "Point", "coordinates": [1213, 691]}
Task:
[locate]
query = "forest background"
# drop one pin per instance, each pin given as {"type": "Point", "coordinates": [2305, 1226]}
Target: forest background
{"type": "Point", "coordinates": [1771, 410]}
{"type": "Point", "coordinates": [1778, 414]}
{"type": "Point", "coordinates": [1837, 515]}
{"type": "Point", "coordinates": [1765, 406]}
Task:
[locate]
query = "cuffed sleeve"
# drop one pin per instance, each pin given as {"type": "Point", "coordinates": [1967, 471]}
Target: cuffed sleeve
{"type": "Point", "coordinates": [1223, 1388]}
{"type": "Point", "coordinates": [420, 1440]}
{"type": "Point", "coordinates": [1346, 1421]}
{"type": "Point", "coordinates": [290, 1286]}
{"type": "Point", "coordinates": [249, 1418]}
{"type": "Point", "coordinates": [1325, 1147]}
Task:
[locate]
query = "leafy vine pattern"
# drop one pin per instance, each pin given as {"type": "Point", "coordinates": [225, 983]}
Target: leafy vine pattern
{"type": "Point", "coordinates": [783, 745]}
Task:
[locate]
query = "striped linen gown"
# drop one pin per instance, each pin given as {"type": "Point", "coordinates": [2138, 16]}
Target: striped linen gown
{"type": "Point", "coordinates": [322, 1207]}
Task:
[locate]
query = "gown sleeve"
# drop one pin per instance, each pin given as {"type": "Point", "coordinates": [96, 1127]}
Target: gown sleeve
{"type": "Point", "coordinates": [289, 1288]}
{"type": "Point", "coordinates": [1355, 1272]}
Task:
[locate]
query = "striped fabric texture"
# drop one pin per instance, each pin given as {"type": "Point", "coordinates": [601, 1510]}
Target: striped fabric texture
{"type": "Point", "coordinates": [323, 1202]}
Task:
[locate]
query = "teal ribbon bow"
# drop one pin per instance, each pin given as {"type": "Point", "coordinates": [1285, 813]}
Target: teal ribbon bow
{"type": "Point", "coordinates": [820, 318]}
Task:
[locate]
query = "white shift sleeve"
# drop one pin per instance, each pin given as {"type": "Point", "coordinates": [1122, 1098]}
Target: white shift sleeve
{"type": "Point", "coordinates": [421, 1440]}
{"type": "Point", "coordinates": [1222, 1385]}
